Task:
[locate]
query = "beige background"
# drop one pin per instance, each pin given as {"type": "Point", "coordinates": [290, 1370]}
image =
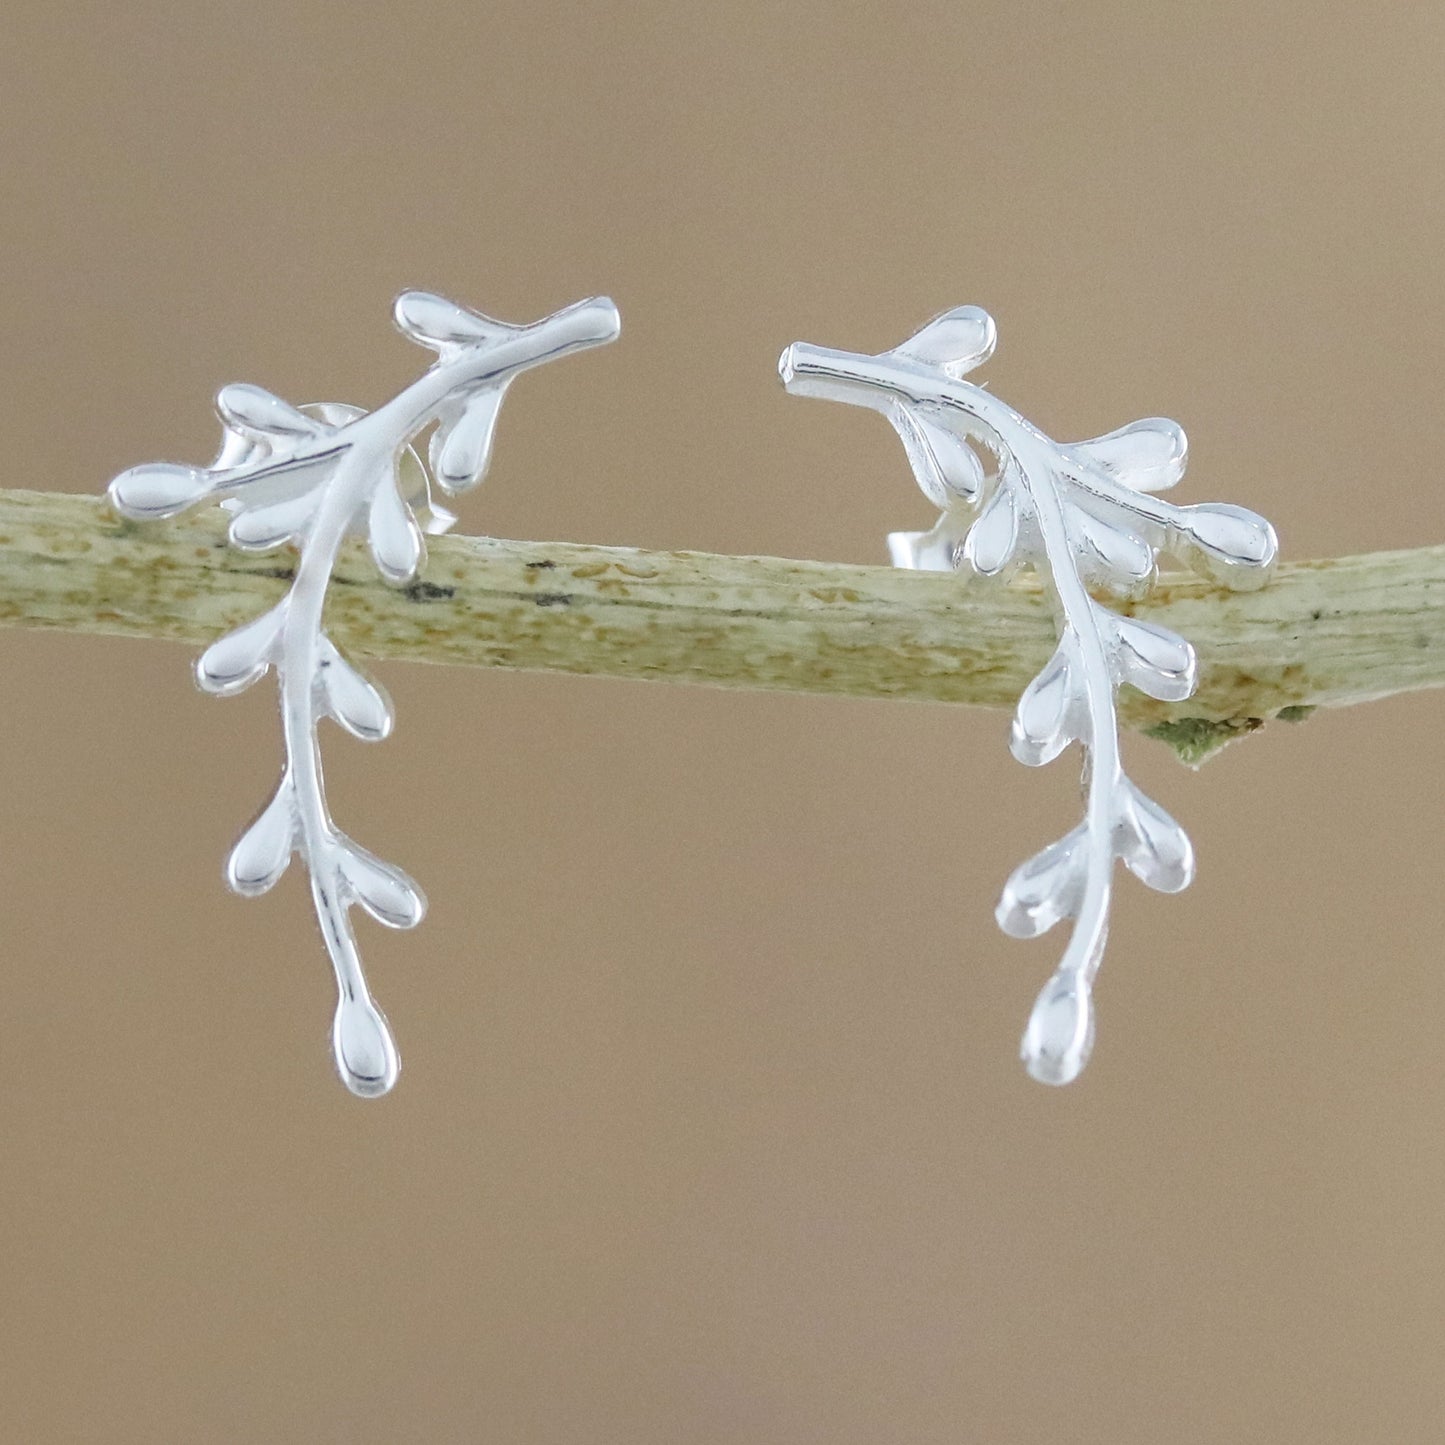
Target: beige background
{"type": "Point", "coordinates": [711, 1128]}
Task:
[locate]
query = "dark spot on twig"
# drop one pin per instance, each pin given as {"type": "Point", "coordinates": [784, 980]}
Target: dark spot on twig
{"type": "Point", "coordinates": [546, 565]}
{"type": "Point", "coordinates": [553, 599]}
{"type": "Point", "coordinates": [286, 574]}
{"type": "Point", "coordinates": [427, 592]}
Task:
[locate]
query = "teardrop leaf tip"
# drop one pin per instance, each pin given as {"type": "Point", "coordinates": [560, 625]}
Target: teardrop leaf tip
{"type": "Point", "coordinates": [157, 490]}
{"type": "Point", "coordinates": [434, 321]}
{"type": "Point", "coordinates": [358, 703]}
{"type": "Point", "coordinates": [382, 889]}
{"type": "Point", "coordinates": [1043, 723]}
{"type": "Point", "coordinates": [955, 341]}
{"type": "Point", "coordinates": [1234, 544]}
{"type": "Point", "coordinates": [1148, 455]}
{"type": "Point", "coordinates": [993, 538]}
{"type": "Point", "coordinates": [256, 411]}
{"type": "Point", "coordinates": [1044, 890]}
{"type": "Point", "coordinates": [233, 662]}
{"type": "Point", "coordinates": [461, 451]}
{"type": "Point", "coordinates": [395, 539]}
{"type": "Point", "coordinates": [944, 465]}
{"type": "Point", "coordinates": [263, 852]}
{"type": "Point", "coordinates": [365, 1054]}
{"type": "Point", "coordinates": [1060, 1033]}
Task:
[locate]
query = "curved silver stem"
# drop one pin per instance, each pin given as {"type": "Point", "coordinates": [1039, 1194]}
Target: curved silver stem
{"type": "Point", "coordinates": [1074, 514]}
{"type": "Point", "coordinates": [365, 1053]}
{"type": "Point", "coordinates": [310, 480]}
{"type": "Point", "coordinates": [1101, 745]}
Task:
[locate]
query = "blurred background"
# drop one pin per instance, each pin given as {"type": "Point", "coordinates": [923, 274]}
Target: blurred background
{"type": "Point", "coordinates": [711, 1126]}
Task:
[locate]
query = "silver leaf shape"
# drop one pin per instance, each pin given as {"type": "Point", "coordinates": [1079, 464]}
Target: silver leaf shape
{"type": "Point", "coordinates": [381, 888]}
{"type": "Point", "coordinates": [1047, 717]}
{"type": "Point", "coordinates": [1154, 659]}
{"type": "Point", "coordinates": [1110, 554]}
{"type": "Point", "coordinates": [394, 537]}
{"type": "Point", "coordinates": [360, 705]}
{"type": "Point", "coordinates": [443, 325]}
{"type": "Point", "coordinates": [1231, 544]}
{"type": "Point", "coordinates": [264, 850]}
{"type": "Point", "coordinates": [363, 1047]}
{"type": "Point", "coordinates": [253, 411]}
{"type": "Point", "coordinates": [1147, 456]}
{"type": "Point", "coordinates": [955, 342]}
{"type": "Point", "coordinates": [1155, 849]}
{"type": "Point", "coordinates": [233, 662]}
{"type": "Point", "coordinates": [1044, 890]}
{"type": "Point", "coordinates": [1060, 1033]}
{"type": "Point", "coordinates": [993, 538]}
{"type": "Point", "coordinates": [461, 450]}
{"type": "Point", "coordinates": [155, 490]}
{"type": "Point", "coordinates": [946, 467]}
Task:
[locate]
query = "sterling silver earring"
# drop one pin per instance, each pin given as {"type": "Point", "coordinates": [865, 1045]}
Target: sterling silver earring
{"type": "Point", "coordinates": [309, 478]}
{"type": "Point", "coordinates": [1081, 516]}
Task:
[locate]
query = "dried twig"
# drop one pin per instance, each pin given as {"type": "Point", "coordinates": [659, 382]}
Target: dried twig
{"type": "Point", "coordinates": [1322, 634]}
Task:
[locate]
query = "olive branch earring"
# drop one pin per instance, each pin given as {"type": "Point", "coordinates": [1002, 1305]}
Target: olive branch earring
{"type": "Point", "coordinates": [309, 478]}
{"type": "Point", "coordinates": [1082, 516]}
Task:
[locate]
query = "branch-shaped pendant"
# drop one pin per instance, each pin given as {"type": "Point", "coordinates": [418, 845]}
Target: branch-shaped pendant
{"type": "Point", "coordinates": [308, 479]}
{"type": "Point", "coordinates": [1083, 517]}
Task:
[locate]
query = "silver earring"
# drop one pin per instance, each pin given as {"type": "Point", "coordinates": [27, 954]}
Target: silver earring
{"type": "Point", "coordinates": [1082, 516]}
{"type": "Point", "coordinates": [309, 478]}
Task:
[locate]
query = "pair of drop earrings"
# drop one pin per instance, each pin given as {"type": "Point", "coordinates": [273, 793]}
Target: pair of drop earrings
{"type": "Point", "coordinates": [1083, 515]}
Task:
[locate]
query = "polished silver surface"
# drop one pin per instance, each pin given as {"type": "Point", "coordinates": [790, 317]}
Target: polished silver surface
{"type": "Point", "coordinates": [1083, 517]}
{"type": "Point", "coordinates": [308, 478]}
